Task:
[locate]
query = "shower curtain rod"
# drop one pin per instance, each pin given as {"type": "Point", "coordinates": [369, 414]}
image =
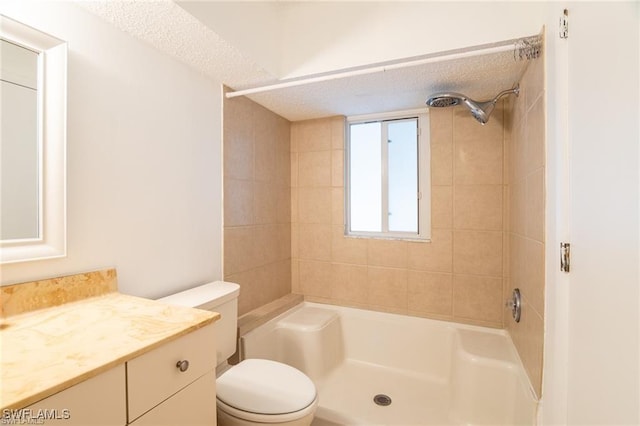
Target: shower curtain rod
{"type": "Point", "coordinates": [525, 48]}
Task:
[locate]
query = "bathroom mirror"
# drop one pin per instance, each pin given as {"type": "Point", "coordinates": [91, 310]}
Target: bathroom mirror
{"type": "Point", "coordinates": [33, 78]}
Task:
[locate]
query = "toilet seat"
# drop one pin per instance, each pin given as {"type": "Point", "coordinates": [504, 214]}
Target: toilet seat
{"type": "Point", "coordinates": [265, 391]}
{"type": "Point", "coordinates": [267, 418]}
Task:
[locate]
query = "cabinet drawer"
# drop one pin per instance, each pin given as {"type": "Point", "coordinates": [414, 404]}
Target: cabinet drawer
{"type": "Point", "coordinates": [96, 401]}
{"type": "Point", "coordinates": [193, 406]}
{"type": "Point", "coordinates": [154, 376]}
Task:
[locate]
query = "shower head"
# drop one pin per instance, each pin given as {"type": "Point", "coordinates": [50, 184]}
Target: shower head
{"type": "Point", "coordinates": [480, 110]}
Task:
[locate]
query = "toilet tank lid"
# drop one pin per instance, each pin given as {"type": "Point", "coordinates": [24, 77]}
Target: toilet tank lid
{"type": "Point", "coordinates": [218, 291]}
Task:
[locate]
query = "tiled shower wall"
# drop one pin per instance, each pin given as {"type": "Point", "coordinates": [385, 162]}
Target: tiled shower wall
{"type": "Point", "coordinates": [257, 207]}
{"type": "Point", "coordinates": [284, 219]}
{"type": "Point", "coordinates": [526, 230]}
{"type": "Point", "coordinates": [457, 276]}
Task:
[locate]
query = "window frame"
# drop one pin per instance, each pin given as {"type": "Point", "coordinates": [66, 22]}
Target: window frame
{"type": "Point", "coordinates": [424, 176]}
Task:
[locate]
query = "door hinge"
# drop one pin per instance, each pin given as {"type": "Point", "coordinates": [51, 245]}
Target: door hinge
{"type": "Point", "coordinates": [565, 257]}
{"type": "Point", "coordinates": [564, 24]}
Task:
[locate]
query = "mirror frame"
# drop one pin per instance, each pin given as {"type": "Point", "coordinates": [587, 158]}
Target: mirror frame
{"type": "Point", "coordinates": [52, 134]}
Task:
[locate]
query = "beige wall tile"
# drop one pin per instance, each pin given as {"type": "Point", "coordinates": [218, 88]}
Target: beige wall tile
{"type": "Point", "coordinates": [436, 255]}
{"type": "Point", "coordinates": [283, 159]}
{"type": "Point", "coordinates": [534, 225]}
{"type": "Point", "coordinates": [265, 203]}
{"type": "Point", "coordinates": [283, 208]}
{"type": "Point", "coordinates": [337, 206]}
{"type": "Point", "coordinates": [295, 239]}
{"type": "Point", "coordinates": [441, 207]}
{"type": "Point", "coordinates": [347, 249]}
{"type": "Point", "coordinates": [534, 271]}
{"type": "Point", "coordinates": [238, 156]}
{"type": "Point", "coordinates": [477, 297]}
{"type": "Point", "coordinates": [314, 241]}
{"type": "Point", "coordinates": [477, 150]}
{"type": "Point", "coordinates": [314, 205]}
{"type": "Point", "coordinates": [257, 148]}
{"type": "Point", "coordinates": [314, 135]}
{"type": "Point", "coordinates": [441, 126]}
{"type": "Point", "coordinates": [275, 278]}
{"type": "Point", "coordinates": [314, 168]}
{"type": "Point", "coordinates": [238, 202]}
{"type": "Point", "coordinates": [477, 163]}
{"type": "Point", "coordinates": [477, 252]}
{"type": "Point", "coordinates": [507, 146]}
{"type": "Point", "coordinates": [533, 81]}
{"type": "Point", "coordinates": [295, 216]}
{"type": "Point", "coordinates": [518, 149]}
{"type": "Point", "coordinates": [441, 164]}
{"type": "Point", "coordinates": [517, 262]}
{"type": "Point", "coordinates": [535, 146]}
{"type": "Point", "coordinates": [337, 168]}
{"type": "Point", "coordinates": [249, 290]}
{"type": "Point", "coordinates": [526, 220]}
{"type": "Point", "coordinates": [387, 287]}
{"type": "Point", "coordinates": [238, 140]}
{"type": "Point", "coordinates": [264, 240]}
{"type": "Point", "coordinates": [338, 130]}
{"type": "Point", "coordinates": [265, 148]}
{"type": "Point", "coordinates": [478, 207]}
{"type": "Point", "coordinates": [528, 337]}
{"type": "Point", "coordinates": [349, 283]}
{"type": "Point", "coordinates": [505, 230]}
{"type": "Point", "coordinates": [465, 127]}
{"type": "Point", "coordinates": [282, 241]}
{"type": "Point", "coordinates": [430, 292]}
{"type": "Point", "coordinates": [392, 253]}
{"type": "Point", "coordinates": [294, 169]}
{"type": "Point", "coordinates": [295, 277]}
{"type": "Point", "coordinates": [315, 278]}
{"type": "Point", "coordinates": [239, 249]}
{"type": "Point", "coordinates": [294, 136]}
{"type": "Point", "coordinates": [517, 207]}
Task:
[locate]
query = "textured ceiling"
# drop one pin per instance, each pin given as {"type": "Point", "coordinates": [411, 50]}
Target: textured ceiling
{"type": "Point", "coordinates": [169, 28]}
{"type": "Point", "coordinates": [480, 78]}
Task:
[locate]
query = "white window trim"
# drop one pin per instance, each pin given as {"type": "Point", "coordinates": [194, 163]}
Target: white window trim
{"type": "Point", "coordinates": [424, 177]}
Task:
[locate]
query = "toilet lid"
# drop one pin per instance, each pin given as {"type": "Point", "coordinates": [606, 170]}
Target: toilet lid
{"type": "Point", "coordinates": [265, 387]}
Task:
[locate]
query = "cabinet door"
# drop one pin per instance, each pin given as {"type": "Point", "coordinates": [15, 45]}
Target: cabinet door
{"type": "Point", "coordinates": [100, 400]}
{"type": "Point", "coordinates": [194, 405]}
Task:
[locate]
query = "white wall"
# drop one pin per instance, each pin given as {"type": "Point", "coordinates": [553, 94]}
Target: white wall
{"type": "Point", "coordinates": [324, 36]}
{"type": "Point", "coordinates": [603, 137]}
{"type": "Point", "coordinates": [252, 27]}
{"type": "Point", "coordinates": [592, 355]}
{"type": "Point", "coordinates": [144, 159]}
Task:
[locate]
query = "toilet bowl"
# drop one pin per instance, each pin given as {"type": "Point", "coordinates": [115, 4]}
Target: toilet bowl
{"type": "Point", "coordinates": [254, 391]}
{"type": "Point", "coordinates": [259, 391]}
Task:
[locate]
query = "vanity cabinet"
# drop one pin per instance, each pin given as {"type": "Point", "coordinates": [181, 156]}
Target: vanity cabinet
{"type": "Point", "coordinates": [175, 383]}
{"type": "Point", "coordinates": [100, 400]}
{"type": "Point", "coordinates": [192, 405]}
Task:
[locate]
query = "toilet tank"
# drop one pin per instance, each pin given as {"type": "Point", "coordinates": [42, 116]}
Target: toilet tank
{"type": "Point", "coordinates": [217, 296]}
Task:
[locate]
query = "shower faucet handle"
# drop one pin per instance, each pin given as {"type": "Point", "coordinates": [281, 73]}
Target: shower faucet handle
{"type": "Point", "coordinates": [515, 304]}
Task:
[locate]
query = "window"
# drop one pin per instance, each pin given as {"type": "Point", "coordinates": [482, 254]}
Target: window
{"type": "Point", "coordinates": [387, 170]}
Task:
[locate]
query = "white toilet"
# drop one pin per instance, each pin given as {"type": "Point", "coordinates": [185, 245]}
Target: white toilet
{"type": "Point", "coordinates": [255, 391]}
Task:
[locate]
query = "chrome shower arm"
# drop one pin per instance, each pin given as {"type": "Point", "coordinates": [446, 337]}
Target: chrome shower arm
{"type": "Point", "coordinates": [515, 91]}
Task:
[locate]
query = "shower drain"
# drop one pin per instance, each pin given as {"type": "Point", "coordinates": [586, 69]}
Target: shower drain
{"type": "Point", "coordinates": [382, 399]}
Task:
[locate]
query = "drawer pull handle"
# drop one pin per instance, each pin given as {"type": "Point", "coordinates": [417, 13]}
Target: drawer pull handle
{"type": "Point", "coordinates": [183, 365]}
